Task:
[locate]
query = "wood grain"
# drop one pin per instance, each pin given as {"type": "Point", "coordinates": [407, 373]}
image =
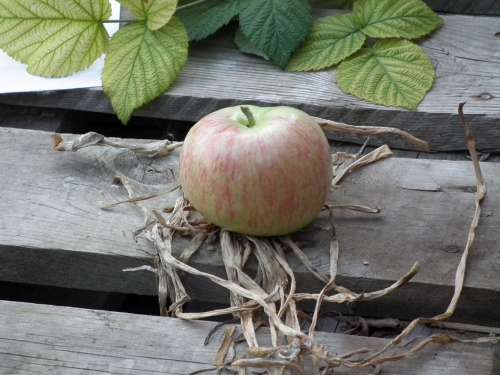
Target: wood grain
{"type": "Point", "coordinates": [488, 7]}
{"type": "Point", "coordinates": [68, 121]}
{"type": "Point", "coordinates": [465, 51]}
{"type": "Point", "coordinates": [42, 339]}
{"type": "Point", "coordinates": [53, 232]}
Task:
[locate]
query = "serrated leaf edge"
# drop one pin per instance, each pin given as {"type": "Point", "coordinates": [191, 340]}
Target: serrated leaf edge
{"type": "Point", "coordinates": [368, 50]}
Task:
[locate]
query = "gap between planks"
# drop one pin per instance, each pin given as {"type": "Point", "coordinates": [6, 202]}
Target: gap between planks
{"type": "Point", "coordinates": [68, 121]}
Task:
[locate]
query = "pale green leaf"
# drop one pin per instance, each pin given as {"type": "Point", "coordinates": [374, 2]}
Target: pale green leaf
{"type": "Point", "coordinates": [54, 38]}
{"type": "Point", "coordinates": [204, 19]}
{"type": "Point", "coordinates": [141, 64]}
{"type": "Point", "coordinates": [157, 13]}
{"type": "Point", "coordinates": [245, 45]}
{"type": "Point", "coordinates": [276, 27]}
{"type": "Point", "coordinates": [396, 18]}
{"type": "Point", "coordinates": [331, 40]}
{"type": "Point", "coordinates": [393, 72]}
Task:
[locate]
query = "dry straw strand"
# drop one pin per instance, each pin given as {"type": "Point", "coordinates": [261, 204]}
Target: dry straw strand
{"type": "Point", "coordinates": [275, 295]}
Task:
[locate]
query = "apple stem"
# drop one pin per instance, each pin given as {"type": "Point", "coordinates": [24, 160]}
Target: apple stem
{"type": "Point", "coordinates": [249, 115]}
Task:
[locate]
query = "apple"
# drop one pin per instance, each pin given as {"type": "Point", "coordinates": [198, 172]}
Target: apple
{"type": "Point", "coordinates": [257, 171]}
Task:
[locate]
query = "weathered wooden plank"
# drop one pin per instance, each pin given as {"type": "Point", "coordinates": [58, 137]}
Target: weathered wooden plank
{"type": "Point", "coordinates": [457, 155]}
{"type": "Point", "coordinates": [52, 231]}
{"type": "Point", "coordinates": [465, 52]}
{"type": "Point", "coordinates": [68, 121]}
{"type": "Point", "coordinates": [42, 339]}
{"type": "Point", "coordinates": [489, 7]}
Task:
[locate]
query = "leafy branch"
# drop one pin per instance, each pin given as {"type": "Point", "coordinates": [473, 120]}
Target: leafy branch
{"type": "Point", "coordinates": [393, 72]}
{"type": "Point", "coordinates": [143, 59]}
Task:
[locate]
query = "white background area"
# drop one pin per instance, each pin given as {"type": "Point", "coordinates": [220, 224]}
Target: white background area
{"type": "Point", "coordinates": [15, 78]}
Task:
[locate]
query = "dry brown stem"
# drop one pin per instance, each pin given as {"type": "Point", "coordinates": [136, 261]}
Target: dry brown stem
{"type": "Point", "coordinates": [376, 358]}
{"type": "Point", "coordinates": [226, 345]}
{"type": "Point", "coordinates": [330, 126]}
{"type": "Point", "coordinates": [273, 295]}
{"type": "Point", "coordinates": [349, 296]}
{"type": "Point", "coordinates": [174, 186]}
{"type": "Point", "coordinates": [379, 153]}
{"type": "Point", "coordinates": [356, 207]}
{"type": "Point", "coordinates": [141, 148]}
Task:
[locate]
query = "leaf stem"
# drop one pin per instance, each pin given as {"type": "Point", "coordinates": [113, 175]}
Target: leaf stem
{"type": "Point", "coordinates": [196, 2]}
{"type": "Point", "coordinates": [249, 115]}
{"type": "Point", "coordinates": [193, 3]}
{"type": "Point", "coordinates": [117, 21]}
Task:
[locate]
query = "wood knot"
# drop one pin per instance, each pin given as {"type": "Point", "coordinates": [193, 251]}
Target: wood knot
{"type": "Point", "coordinates": [451, 249]}
{"type": "Point", "coordinates": [484, 96]}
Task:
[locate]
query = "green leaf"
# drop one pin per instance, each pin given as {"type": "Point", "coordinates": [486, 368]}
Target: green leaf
{"type": "Point", "coordinates": [206, 18]}
{"type": "Point", "coordinates": [393, 72]}
{"type": "Point", "coordinates": [276, 27]}
{"type": "Point", "coordinates": [157, 13]}
{"type": "Point", "coordinates": [331, 40]}
{"type": "Point", "coordinates": [54, 38]}
{"type": "Point", "coordinates": [396, 18]}
{"type": "Point", "coordinates": [245, 45]}
{"type": "Point", "coordinates": [141, 64]}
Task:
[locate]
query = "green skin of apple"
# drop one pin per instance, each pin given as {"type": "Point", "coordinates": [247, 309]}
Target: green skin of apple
{"type": "Point", "coordinates": [264, 173]}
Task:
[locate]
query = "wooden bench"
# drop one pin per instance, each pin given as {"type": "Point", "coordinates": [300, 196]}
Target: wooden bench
{"type": "Point", "coordinates": [55, 223]}
{"type": "Point", "coordinates": [54, 234]}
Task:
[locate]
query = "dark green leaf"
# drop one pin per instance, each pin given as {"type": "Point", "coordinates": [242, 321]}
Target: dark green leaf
{"type": "Point", "coordinates": [206, 18]}
{"type": "Point", "coordinates": [339, 4]}
{"type": "Point", "coordinates": [276, 27]}
{"type": "Point", "coordinates": [245, 45]}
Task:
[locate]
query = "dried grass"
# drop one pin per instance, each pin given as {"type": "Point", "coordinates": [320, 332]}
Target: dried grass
{"type": "Point", "coordinates": [330, 126]}
{"type": "Point", "coordinates": [271, 298]}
